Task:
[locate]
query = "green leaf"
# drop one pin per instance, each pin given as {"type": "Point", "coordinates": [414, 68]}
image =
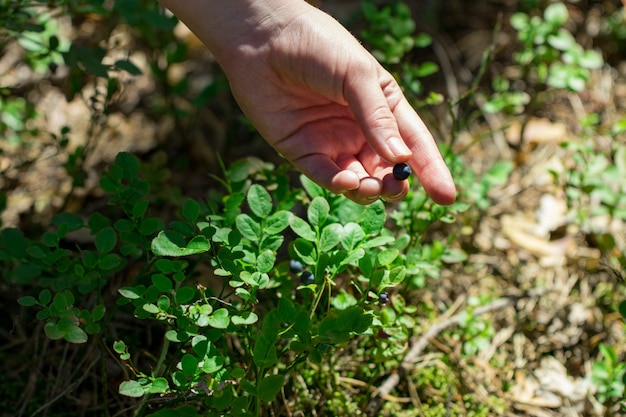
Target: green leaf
{"type": "Point", "coordinates": [98, 312]}
{"type": "Point", "coordinates": [124, 225]}
{"type": "Point", "coordinates": [366, 265]}
{"type": "Point", "coordinates": [271, 242]}
{"type": "Point", "coordinates": [170, 243]}
{"type": "Point", "coordinates": [344, 300]}
{"type": "Point", "coordinates": [158, 386]}
{"type": "Point", "coordinates": [162, 283]}
{"type": "Point", "coordinates": [338, 325]}
{"type": "Point", "coordinates": [315, 356]}
{"type": "Point", "coordinates": [150, 226]}
{"type": "Point", "coordinates": [246, 318]}
{"type": "Point", "coordinates": [73, 221]}
{"type": "Point", "coordinates": [212, 364]}
{"type": "Point", "coordinates": [75, 334]}
{"type": "Point", "coordinates": [264, 353]}
{"type": "Point", "coordinates": [27, 301]}
{"type": "Point", "coordinates": [318, 211]}
{"type": "Point", "coordinates": [270, 386]}
{"type": "Point", "coordinates": [302, 228]}
{"type": "Point", "coordinates": [106, 239]}
{"type": "Point", "coordinates": [305, 251]}
{"type": "Point", "coordinates": [199, 244]}
{"type": "Point", "coordinates": [378, 241]}
{"type": "Point", "coordinates": [219, 319]}
{"type": "Point", "coordinates": [556, 14]}
{"type": "Point", "coordinates": [164, 303]}
{"type": "Point", "coordinates": [131, 389]}
{"type": "Point", "coordinates": [87, 58]}
{"type": "Point", "coordinates": [13, 242]}
{"type": "Point", "coordinates": [176, 337]}
{"type": "Point", "coordinates": [63, 300]}
{"type": "Point", "coordinates": [351, 236]}
{"type": "Point", "coordinates": [191, 210]}
{"type": "Point", "coordinates": [397, 274]}
{"type": "Point", "coordinates": [151, 308]}
{"type": "Point", "coordinates": [563, 40]}
{"type": "Point", "coordinates": [139, 208]}
{"type": "Point", "coordinates": [53, 331]}
{"type": "Point", "coordinates": [387, 256]}
{"type": "Point", "coordinates": [373, 218]}
{"type": "Point", "coordinates": [185, 294]}
{"type": "Point", "coordinates": [591, 60]}
{"type": "Point", "coordinates": [330, 237]}
{"type": "Point", "coordinates": [189, 364]}
{"type": "Point", "coordinates": [519, 21]}
{"type": "Point", "coordinates": [130, 292]}
{"type": "Point", "coordinates": [312, 189]}
{"type": "Point", "coordinates": [110, 261]}
{"type": "Point", "coordinates": [248, 227]}
{"type": "Point", "coordinates": [286, 310]}
{"type": "Point", "coordinates": [128, 66]}
{"type": "Point", "coordinates": [265, 261]}
{"type": "Point", "coordinates": [119, 346]}
{"type": "Point", "coordinates": [167, 266]}
{"type": "Point", "coordinates": [353, 257]}
{"type": "Point", "coordinates": [277, 222]}
{"type": "Point", "coordinates": [259, 200]}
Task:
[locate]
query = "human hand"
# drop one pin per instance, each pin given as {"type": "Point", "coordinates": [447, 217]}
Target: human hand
{"type": "Point", "coordinates": [325, 104]}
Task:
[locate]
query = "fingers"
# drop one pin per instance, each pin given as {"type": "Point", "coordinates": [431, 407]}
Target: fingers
{"type": "Point", "coordinates": [365, 93]}
{"type": "Point", "coordinates": [326, 173]}
{"type": "Point", "coordinates": [350, 177]}
{"type": "Point", "coordinates": [427, 162]}
{"type": "Point", "coordinates": [396, 132]}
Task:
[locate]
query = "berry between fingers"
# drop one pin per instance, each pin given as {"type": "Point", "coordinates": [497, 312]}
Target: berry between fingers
{"type": "Point", "coordinates": [401, 171]}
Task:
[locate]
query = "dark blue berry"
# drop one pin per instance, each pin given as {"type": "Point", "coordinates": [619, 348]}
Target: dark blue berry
{"type": "Point", "coordinates": [383, 298]}
{"type": "Point", "coordinates": [307, 278]}
{"type": "Point", "coordinates": [401, 171]}
{"type": "Point", "coordinates": [295, 266]}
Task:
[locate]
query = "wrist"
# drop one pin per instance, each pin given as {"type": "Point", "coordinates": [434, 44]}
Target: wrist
{"type": "Point", "coordinates": [230, 28]}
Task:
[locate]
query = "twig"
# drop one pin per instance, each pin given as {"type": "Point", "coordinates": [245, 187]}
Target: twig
{"type": "Point", "coordinates": [70, 388]}
{"type": "Point", "coordinates": [418, 347]}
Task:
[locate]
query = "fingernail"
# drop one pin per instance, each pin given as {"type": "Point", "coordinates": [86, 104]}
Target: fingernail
{"type": "Point", "coordinates": [398, 147]}
{"type": "Point", "coordinates": [396, 196]}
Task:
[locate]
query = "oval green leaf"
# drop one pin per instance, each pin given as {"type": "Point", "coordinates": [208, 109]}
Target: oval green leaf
{"type": "Point", "coordinates": [259, 200]}
{"type": "Point", "coordinates": [131, 389]}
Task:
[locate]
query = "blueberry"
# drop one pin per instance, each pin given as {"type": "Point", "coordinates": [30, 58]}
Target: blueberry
{"type": "Point", "coordinates": [307, 278]}
{"type": "Point", "coordinates": [383, 298]}
{"type": "Point", "coordinates": [401, 171]}
{"type": "Point", "coordinates": [295, 266]}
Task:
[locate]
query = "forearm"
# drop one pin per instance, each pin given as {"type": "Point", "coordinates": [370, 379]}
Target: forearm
{"type": "Point", "coordinates": [232, 27]}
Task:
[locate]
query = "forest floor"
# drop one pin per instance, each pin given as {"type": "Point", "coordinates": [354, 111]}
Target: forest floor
{"type": "Point", "coordinates": [549, 299]}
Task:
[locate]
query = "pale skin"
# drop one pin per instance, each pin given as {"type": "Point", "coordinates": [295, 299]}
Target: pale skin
{"type": "Point", "coordinates": [318, 96]}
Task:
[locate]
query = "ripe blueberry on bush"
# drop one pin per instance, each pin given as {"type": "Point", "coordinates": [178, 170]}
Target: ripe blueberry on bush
{"type": "Point", "coordinates": [307, 278]}
{"type": "Point", "coordinates": [401, 171]}
{"type": "Point", "coordinates": [295, 266]}
{"type": "Point", "coordinates": [383, 298]}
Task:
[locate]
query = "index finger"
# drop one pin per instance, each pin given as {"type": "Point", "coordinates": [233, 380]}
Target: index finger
{"type": "Point", "coordinates": [427, 162]}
